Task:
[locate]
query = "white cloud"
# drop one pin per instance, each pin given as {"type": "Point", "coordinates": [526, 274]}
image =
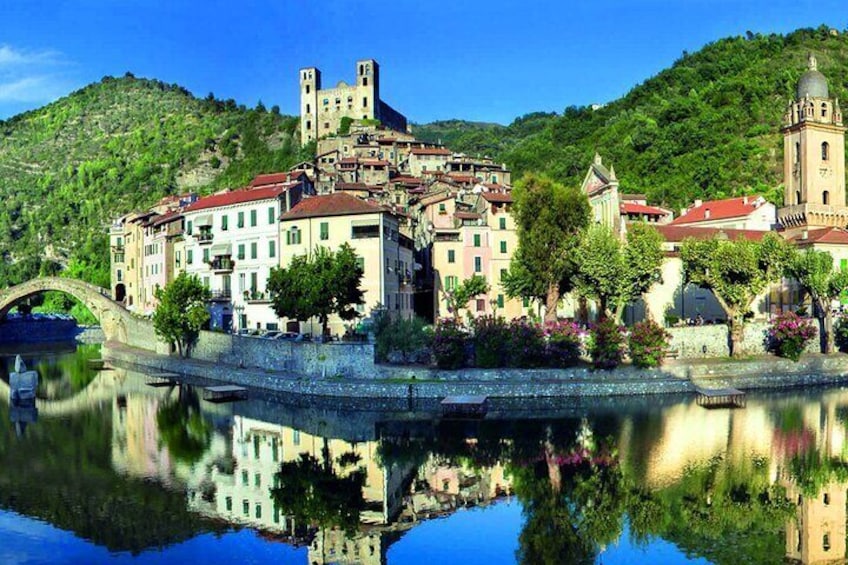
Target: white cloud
{"type": "Point", "coordinates": [31, 77]}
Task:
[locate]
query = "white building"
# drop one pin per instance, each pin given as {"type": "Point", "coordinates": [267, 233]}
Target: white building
{"type": "Point", "coordinates": [233, 242]}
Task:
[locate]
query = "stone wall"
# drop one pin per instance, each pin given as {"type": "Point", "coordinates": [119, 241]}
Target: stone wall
{"type": "Point", "coordinates": [37, 330]}
{"type": "Point", "coordinates": [693, 342]}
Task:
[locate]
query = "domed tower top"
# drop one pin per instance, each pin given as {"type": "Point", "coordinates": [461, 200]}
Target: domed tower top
{"type": "Point", "coordinates": [812, 83]}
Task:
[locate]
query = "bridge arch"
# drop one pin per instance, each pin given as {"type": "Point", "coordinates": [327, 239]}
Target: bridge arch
{"type": "Point", "coordinates": [113, 317]}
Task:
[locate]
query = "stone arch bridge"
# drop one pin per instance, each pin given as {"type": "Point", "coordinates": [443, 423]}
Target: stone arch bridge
{"type": "Point", "coordinates": [118, 324]}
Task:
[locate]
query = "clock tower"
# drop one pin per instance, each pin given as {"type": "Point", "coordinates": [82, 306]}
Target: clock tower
{"type": "Point", "coordinates": [813, 157]}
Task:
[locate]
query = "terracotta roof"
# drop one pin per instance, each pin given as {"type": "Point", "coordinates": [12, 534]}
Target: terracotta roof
{"type": "Point", "coordinates": [335, 204]}
{"type": "Point", "coordinates": [167, 218]}
{"type": "Point", "coordinates": [633, 208]}
{"type": "Point", "coordinates": [462, 178]}
{"type": "Point", "coordinates": [720, 209]}
{"type": "Point", "coordinates": [833, 236]}
{"type": "Point", "coordinates": [674, 233]}
{"type": "Point", "coordinates": [430, 151]}
{"type": "Point", "coordinates": [276, 178]}
{"type": "Point", "coordinates": [349, 160]}
{"type": "Point", "coordinates": [467, 215]}
{"type": "Point", "coordinates": [497, 196]}
{"type": "Point", "coordinates": [358, 186]}
{"type": "Point", "coordinates": [238, 197]}
{"type": "Point", "coordinates": [406, 179]}
{"type": "Point", "coordinates": [375, 162]}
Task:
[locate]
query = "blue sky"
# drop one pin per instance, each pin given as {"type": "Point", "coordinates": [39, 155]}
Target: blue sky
{"type": "Point", "coordinates": [479, 60]}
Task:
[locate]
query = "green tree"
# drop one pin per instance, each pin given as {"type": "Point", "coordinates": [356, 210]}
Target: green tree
{"type": "Point", "coordinates": [814, 272]}
{"type": "Point", "coordinates": [518, 282]}
{"type": "Point", "coordinates": [318, 285]}
{"type": "Point", "coordinates": [550, 220]}
{"type": "Point", "coordinates": [182, 427]}
{"type": "Point", "coordinates": [616, 273]}
{"type": "Point", "coordinates": [181, 311]}
{"type": "Point", "coordinates": [736, 272]}
{"type": "Point", "coordinates": [458, 298]}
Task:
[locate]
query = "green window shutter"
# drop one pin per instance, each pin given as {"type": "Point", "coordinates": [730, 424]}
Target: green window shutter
{"type": "Point", "coordinates": [503, 247]}
{"type": "Point", "coordinates": [502, 223]}
{"type": "Point", "coordinates": [253, 218]}
{"type": "Point", "coordinates": [272, 249]}
{"type": "Point", "coordinates": [288, 237]}
{"type": "Point", "coordinates": [476, 240]}
{"type": "Point", "coordinates": [224, 222]}
{"type": "Point", "coordinates": [206, 255]}
{"type": "Point", "coordinates": [271, 215]}
{"type": "Point", "coordinates": [240, 222]}
{"type": "Point", "coordinates": [500, 301]}
{"type": "Point", "coordinates": [478, 264]}
{"type": "Point", "coordinates": [188, 228]}
{"type": "Point", "coordinates": [503, 274]}
{"type": "Point", "coordinates": [253, 250]}
{"type": "Point", "coordinates": [325, 231]}
{"type": "Point", "coordinates": [241, 251]}
{"type": "Point", "coordinates": [451, 256]}
{"type": "Point", "coordinates": [189, 257]}
{"type": "Point", "coordinates": [526, 302]}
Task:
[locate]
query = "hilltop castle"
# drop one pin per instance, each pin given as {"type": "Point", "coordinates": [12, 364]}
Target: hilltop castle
{"type": "Point", "coordinates": [322, 110]}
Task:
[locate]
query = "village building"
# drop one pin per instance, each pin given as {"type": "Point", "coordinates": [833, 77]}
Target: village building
{"type": "Point", "coordinates": [232, 243]}
{"type": "Point", "coordinates": [385, 254]}
{"type": "Point", "coordinates": [741, 213]}
{"type": "Point", "coordinates": [323, 111]}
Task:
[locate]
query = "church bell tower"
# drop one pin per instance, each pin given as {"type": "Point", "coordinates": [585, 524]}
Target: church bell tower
{"type": "Point", "coordinates": [813, 157]}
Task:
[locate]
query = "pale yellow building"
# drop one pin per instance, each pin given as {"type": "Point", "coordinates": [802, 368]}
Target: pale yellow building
{"type": "Point", "coordinates": [385, 254]}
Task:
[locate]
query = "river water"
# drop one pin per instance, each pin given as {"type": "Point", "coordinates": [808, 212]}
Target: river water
{"type": "Point", "coordinates": [107, 468]}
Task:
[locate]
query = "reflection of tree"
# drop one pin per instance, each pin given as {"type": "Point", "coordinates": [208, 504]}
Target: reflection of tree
{"type": "Point", "coordinates": [811, 471]}
{"type": "Point", "coordinates": [313, 493]}
{"type": "Point", "coordinates": [182, 428]}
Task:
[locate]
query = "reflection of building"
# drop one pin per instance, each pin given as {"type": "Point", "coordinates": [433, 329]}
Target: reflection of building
{"type": "Point", "coordinates": [335, 546]}
{"type": "Point", "coordinates": [817, 532]}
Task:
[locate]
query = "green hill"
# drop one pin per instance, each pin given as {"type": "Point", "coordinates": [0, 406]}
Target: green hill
{"type": "Point", "coordinates": [70, 167]}
{"type": "Point", "coordinates": [706, 127]}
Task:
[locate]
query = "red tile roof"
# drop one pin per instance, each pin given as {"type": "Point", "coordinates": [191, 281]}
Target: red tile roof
{"type": "Point", "coordinates": [335, 204]}
{"type": "Point", "coordinates": [462, 178]}
{"type": "Point", "coordinates": [497, 196]}
{"type": "Point", "coordinates": [276, 178]}
{"type": "Point", "coordinates": [633, 208]}
{"type": "Point", "coordinates": [238, 197]}
{"type": "Point", "coordinates": [358, 186]}
{"type": "Point", "coordinates": [832, 236]}
{"type": "Point", "coordinates": [375, 163]}
{"type": "Point", "coordinates": [672, 233]}
{"type": "Point", "coordinates": [467, 215]}
{"type": "Point", "coordinates": [720, 209]}
{"type": "Point", "coordinates": [430, 151]}
{"type": "Point", "coordinates": [167, 218]}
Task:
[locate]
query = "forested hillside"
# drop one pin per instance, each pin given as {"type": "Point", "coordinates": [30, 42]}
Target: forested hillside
{"type": "Point", "coordinates": [70, 167]}
{"type": "Point", "coordinates": [706, 127]}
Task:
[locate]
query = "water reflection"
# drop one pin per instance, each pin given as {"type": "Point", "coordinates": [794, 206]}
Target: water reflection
{"type": "Point", "coordinates": [137, 467]}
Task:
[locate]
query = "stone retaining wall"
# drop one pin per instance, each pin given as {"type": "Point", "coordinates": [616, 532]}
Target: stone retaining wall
{"type": "Point", "coordinates": [700, 342]}
{"type": "Point", "coordinates": [37, 330]}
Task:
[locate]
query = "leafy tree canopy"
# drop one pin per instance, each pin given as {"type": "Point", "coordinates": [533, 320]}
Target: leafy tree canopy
{"type": "Point", "coordinates": [181, 311]}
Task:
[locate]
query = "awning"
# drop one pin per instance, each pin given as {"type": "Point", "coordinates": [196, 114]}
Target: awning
{"type": "Point", "coordinates": [204, 220]}
{"type": "Point", "coordinates": [222, 249]}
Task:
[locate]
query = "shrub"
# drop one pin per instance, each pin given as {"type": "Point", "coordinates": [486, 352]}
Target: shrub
{"type": "Point", "coordinates": [840, 332]}
{"type": "Point", "coordinates": [606, 344]}
{"type": "Point", "coordinates": [449, 344]}
{"type": "Point", "coordinates": [399, 337]}
{"type": "Point", "coordinates": [648, 344]}
{"type": "Point", "coordinates": [525, 344]}
{"type": "Point", "coordinates": [789, 334]}
{"type": "Point", "coordinates": [564, 343]}
{"type": "Point", "coordinates": [491, 338]}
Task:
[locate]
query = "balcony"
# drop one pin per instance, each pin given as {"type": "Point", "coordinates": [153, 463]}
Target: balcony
{"type": "Point", "coordinates": [203, 237]}
{"type": "Point", "coordinates": [222, 264]}
{"type": "Point", "coordinates": [256, 297]}
{"type": "Point", "coordinates": [220, 296]}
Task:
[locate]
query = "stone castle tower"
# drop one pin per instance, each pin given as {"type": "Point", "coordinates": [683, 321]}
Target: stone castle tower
{"type": "Point", "coordinates": [813, 157]}
{"type": "Point", "coordinates": [322, 110]}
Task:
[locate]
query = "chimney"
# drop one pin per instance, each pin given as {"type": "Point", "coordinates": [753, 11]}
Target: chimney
{"type": "Point", "coordinates": [698, 203]}
{"type": "Point", "coordinates": [707, 214]}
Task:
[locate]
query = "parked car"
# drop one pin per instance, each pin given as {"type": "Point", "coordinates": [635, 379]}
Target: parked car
{"type": "Point", "coordinates": [273, 334]}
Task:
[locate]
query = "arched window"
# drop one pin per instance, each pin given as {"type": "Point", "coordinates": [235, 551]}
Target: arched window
{"type": "Point", "coordinates": [361, 69]}
{"type": "Point", "coordinates": [797, 197]}
{"type": "Point", "coordinates": [364, 81]}
{"type": "Point", "coordinates": [824, 110]}
{"type": "Point", "coordinates": [825, 197]}
{"type": "Point", "coordinates": [825, 151]}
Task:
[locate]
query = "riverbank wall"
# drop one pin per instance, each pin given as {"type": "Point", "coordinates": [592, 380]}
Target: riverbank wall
{"type": "Point", "coordinates": [46, 330]}
{"type": "Point", "coordinates": [425, 382]}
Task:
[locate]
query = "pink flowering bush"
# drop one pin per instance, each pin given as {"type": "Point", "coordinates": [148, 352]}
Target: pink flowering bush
{"type": "Point", "coordinates": [564, 343]}
{"type": "Point", "coordinates": [449, 344]}
{"type": "Point", "coordinates": [789, 335]}
{"type": "Point", "coordinates": [648, 344]}
{"type": "Point", "coordinates": [606, 344]}
{"type": "Point", "coordinates": [491, 341]}
{"type": "Point", "coordinates": [526, 345]}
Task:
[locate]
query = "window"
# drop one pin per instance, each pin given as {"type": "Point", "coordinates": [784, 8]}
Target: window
{"type": "Point", "coordinates": [325, 231]}
{"type": "Point", "coordinates": [272, 249]}
{"type": "Point", "coordinates": [360, 263]}
{"type": "Point", "coordinates": [442, 208]}
{"type": "Point", "coordinates": [189, 256]}
{"type": "Point", "coordinates": [177, 259]}
{"type": "Point", "coordinates": [797, 151]}
{"type": "Point", "coordinates": [244, 478]}
{"type": "Point", "coordinates": [451, 256]}
{"type": "Point", "coordinates": [206, 255]}
{"type": "Point", "coordinates": [503, 247]}
{"type": "Point", "coordinates": [364, 81]}
{"type": "Point", "coordinates": [240, 220]}
{"type": "Point", "coordinates": [224, 222]}
{"type": "Point", "coordinates": [296, 437]}
{"type": "Point", "coordinates": [240, 254]}
{"type": "Point", "coordinates": [254, 282]}
{"type": "Point", "coordinates": [307, 89]}
{"type": "Point", "coordinates": [824, 110]}
{"type": "Point", "coordinates": [478, 264]}
{"type": "Point", "coordinates": [825, 197]}
{"type": "Point", "coordinates": [476, 240]}
{"type": "Point", "coordinates": [481, 304]}
{"type": "Point", "coordinates": [188, 227]}
{"type": "Point", "coordinates": [308, 124]}
{"type": "Point", "coordinates": [364, 101]}
{"type": "Point", "coordinates": [271, 215]}
{"type": "Point", "coordinates": [308, 108]}
{"type": "Point", "coordinates": [245, 507]}
{"type": "Point", "coordinates": [258, 511]}
{"type": "Point", "coordinates": [826, 542]}
{"type": "Point", "coordinates": [500, 301]}
{"type": "Point", "coordinates": [229, 502]}
{"type": "Point", "coordinates": [502, 223]}
{"type": "Point", "coordinates": [451, 282]}
{"type": "Point", "coordinates": [253, 250]}
{"type": "Point", "coordinates": [293, 236]}
{"type": "Point", "coordinates": [526, 303]}
{"type": "Point", "coordinates": [503, 274]}
{"type": "Point", "coordinates": [326, 101]}
{"type": "Point", "coordinates": [257, 480]}
{"type": "Point", "coordinates": [253, 218]}
{"type": "Point", "coordinates": [825, 151]}
{"type": "Point", "coordinates": [826, 499]}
